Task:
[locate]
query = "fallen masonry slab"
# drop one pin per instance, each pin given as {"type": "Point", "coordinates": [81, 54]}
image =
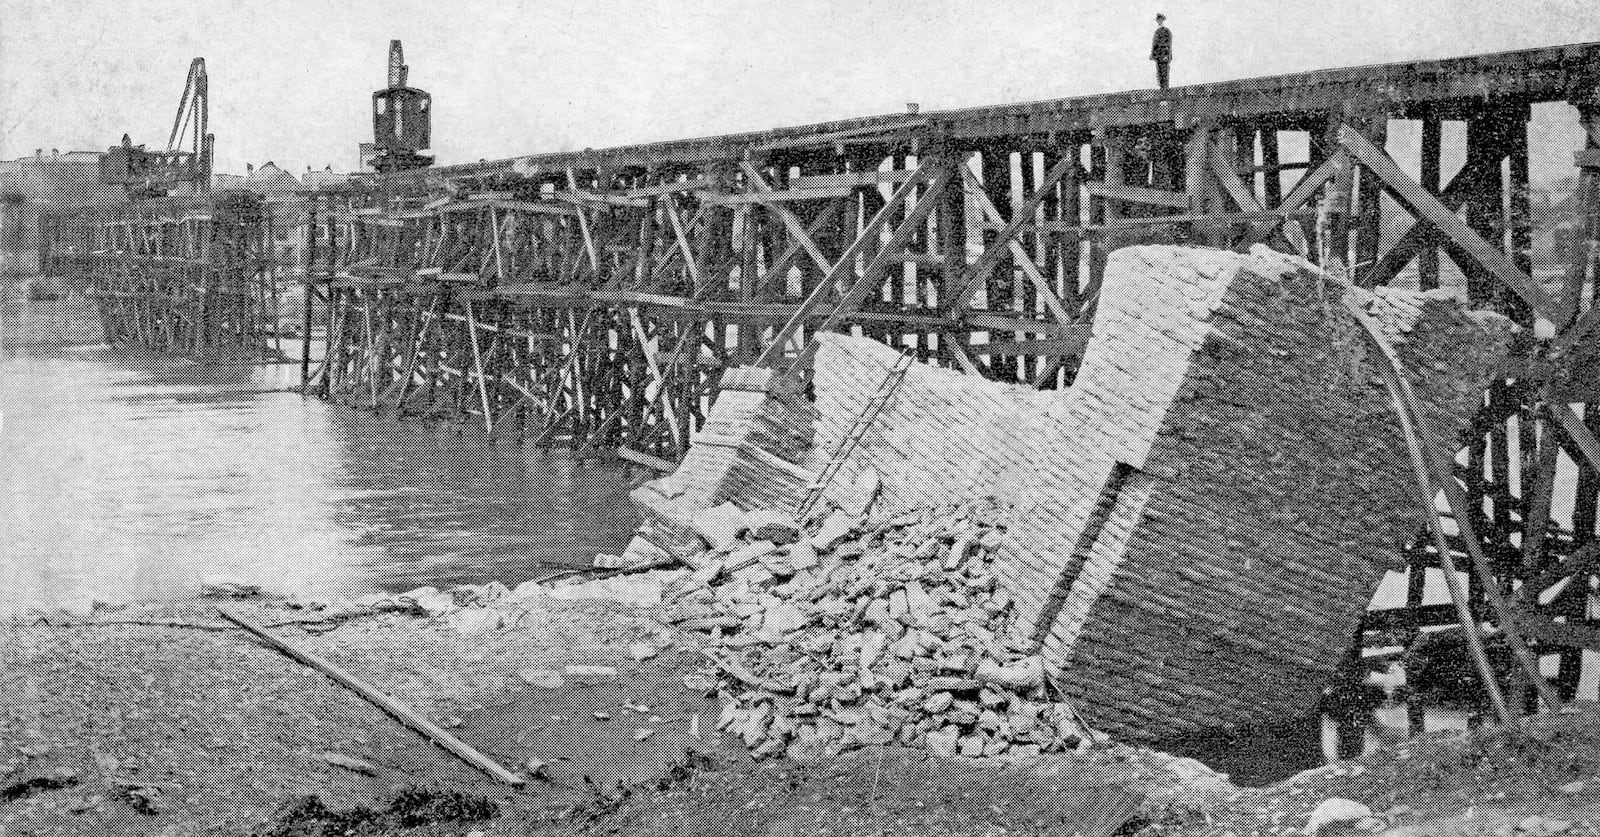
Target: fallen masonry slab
{"type": "Point", "coordinates": [1197, 523]}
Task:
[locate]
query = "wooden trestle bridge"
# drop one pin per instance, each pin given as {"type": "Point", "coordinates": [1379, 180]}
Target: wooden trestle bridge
{"type": "Point", "coordinates": [593, 299]}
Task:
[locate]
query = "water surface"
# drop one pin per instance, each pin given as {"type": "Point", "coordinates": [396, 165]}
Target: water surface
{"type": "Point", "coordinates": [127, 477]}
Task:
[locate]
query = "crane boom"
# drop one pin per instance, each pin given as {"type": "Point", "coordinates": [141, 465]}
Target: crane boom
{"type": "Point", "coordinates": [188, 155]}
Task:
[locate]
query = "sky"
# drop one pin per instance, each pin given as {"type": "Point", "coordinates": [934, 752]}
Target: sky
{"type": "Point", "coordinates": [291, 82]}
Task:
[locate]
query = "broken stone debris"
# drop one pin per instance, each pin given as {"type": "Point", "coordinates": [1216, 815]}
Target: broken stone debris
{"type": "Point", "coordinates": [350, 763]}
{"type": "Point", "coordinates": [1188, 457]}
{"type": "Point", "coordinates": [1335, 811]}
{"type": "Point", "coordinates": [590, 671]}
{"type": "Point", "coordinates": [542, 677]}
{"type": "Point", "coordinates": [1536, 825]}
{"type": "Point", "coordinates": [861, 636]}
{"type": "Point", "coordinates": [720, 525]}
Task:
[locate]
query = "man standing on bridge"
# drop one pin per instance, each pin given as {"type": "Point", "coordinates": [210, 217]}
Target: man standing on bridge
{"type": "Point", "coordinates": [1161, 50]}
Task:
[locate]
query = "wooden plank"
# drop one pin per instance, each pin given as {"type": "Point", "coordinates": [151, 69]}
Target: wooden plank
{"type": "Point", "coordinates": [477, 364]}
{"type": "Point", "coordinates": [665, 466]}
{"type": "Point", "coordinates": [1297, 197]}
{"type": "Point", "coordinates": [1138, 194]}
{"type": "Point", "coordinates": [850, 179]}
{"type": "Point", "coordinates": [1219, 218]}
{"type": "Point", "coordinates": [774, 196]}
{"type": "Point", "coordinates": [1536, 515]}
{"type": "Point", "coordinates": [653, 362]}
{"type": "Point", "coordinates": [537, 208]}
{"type": "Point", "coordinates": [779, 268]}
{"type": "Point", "coordinates": [1428, 255]}
{"type": "Point", "coordinates": [1578, 432]}
{"type": "Point", "coordinates": [1550, 632]}
{"type": "Point", "coordinates": [1245, 197]}
{"type": "Point", "coordinates": [1024, 262]}
{"type": "Point", "coordinates": [990, 321]}
{"type": "Point", "coordinates": [954, 342]}
{"type": "Point", "coordinates": [933, 259]}
{"type": "Point", "coordinates": [1272, 185]}
{"type": "Point", "coordinates": [405, 714]}
{"type": "Point", "coordinates": [884, 132]}
{"type": "Point", "coordinates": [670, 188]}
{"type": "Point", "coordinates": [583, 224]}
{"type": "Point", "coordinates": [583, 196]}
{"type": "Point", "coordinates": [1582, 562]}
{"type": "Point", "coordinates": [682, 236]}
{"type": "Point", "coordinates": [1418, 201]}
{"type": "Point", "coordinates": [1232, 183]}
{"type": "Point", "coordinates": [1015, 348]}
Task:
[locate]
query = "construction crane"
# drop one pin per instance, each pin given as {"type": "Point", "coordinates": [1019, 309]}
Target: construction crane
{"type": "Point", "coordinates": [187, 158]}
{"type": "Point", "coordinates": [402, 120]}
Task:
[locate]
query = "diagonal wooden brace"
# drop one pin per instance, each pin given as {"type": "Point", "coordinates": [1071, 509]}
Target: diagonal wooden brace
{"type": "Point", "coordinates": [1018, 252]}
{"type": "Point", "coordinates": [976, 275]}
{"type": "Point", "coordinates": [1297, 197]}
{"type": "Point", "coordinates": [869, 234]}
{"type": "Point", "coordinates": [1245, 197]}
{"type": "Point", "coordinates": [1418, 236]}
{"type": "Point", "coordinates": [1426, 206]}
{"type": "Point", "coordinates": [796, 229]}
{"type": "Point", "coordinates": [871, 275]}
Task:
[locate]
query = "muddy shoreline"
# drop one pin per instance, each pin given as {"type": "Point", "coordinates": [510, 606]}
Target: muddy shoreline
{"type": "Point", "coordinates": [162, 719]}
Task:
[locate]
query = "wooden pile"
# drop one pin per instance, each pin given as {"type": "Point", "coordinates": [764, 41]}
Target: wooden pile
{"type": "Point", "coordinates": [839, 635]}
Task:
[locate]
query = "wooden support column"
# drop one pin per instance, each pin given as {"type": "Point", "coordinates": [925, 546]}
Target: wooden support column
{"type": "Point", "coordinates": [1519, 201]}
{"type": "Point", "coordinates": [1428, 258]}
{"type": "Point", "coordinates": [744, 246]}
{"type": "Point", "coordinates": [1582, 271]}
{"type": "Point", "coordinates": [894, 290]}
{"type": "Point", "coordinates": [1368, 211]}
{"type": "Point", "coordinates": [920, 279]}
{"type": "Point", "coordinates": [1272, 178]}
{"type": "Point", "coordinates": [1244, 150]}
{"type": "Point", "coordinates": [872, 201]}
{"type": "Point", "coordinates": [1487, 137]}
{"type": "Point", "coordinates": [1334, 221]}
{"type": "Point", "coordinates": [1072, 246]}
{"type": "Point", "coordinates": [1000, 292]}
{"type": "Point", "coordinates": [1027, 298]}
{"type": "Point", "coordinates": [1198, 182]}
{"type": "Point", "coordinates": [1051, 247]}
{"type": "Point", "coordinates": [952, 230]}
{"type": "Point", "coordinates": [1097, 217]}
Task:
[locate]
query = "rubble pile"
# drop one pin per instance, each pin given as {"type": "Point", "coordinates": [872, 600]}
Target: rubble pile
{"type": "Point", "coordinates": [841, 634]}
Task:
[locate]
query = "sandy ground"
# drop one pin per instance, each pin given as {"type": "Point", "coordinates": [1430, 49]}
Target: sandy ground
{"type": "Point", "coordinates": [109, 727]}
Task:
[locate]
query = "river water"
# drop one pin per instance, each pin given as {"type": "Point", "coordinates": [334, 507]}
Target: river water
{"type": "Point", "coordinates": [131, 477]}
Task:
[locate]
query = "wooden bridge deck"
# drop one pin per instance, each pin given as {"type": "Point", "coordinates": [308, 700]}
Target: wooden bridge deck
{"type": "Point", "coordinates": [1450, 88]}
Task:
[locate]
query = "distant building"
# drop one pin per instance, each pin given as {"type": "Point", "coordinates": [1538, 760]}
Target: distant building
{"type": "Point", "coordinates": [271, 180]}
{"type": "Point", "coordinates": [287, 200]}
{"type": "Point", "coordinates": [327, 178]}
{"type": "Point", "coordinates": [46, 182]}
{"type": "Point", "coordinates": [69, 180]}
